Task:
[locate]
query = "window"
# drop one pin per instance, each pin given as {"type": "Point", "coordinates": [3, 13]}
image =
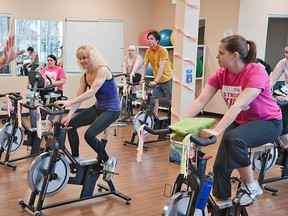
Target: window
{"type": "Point", "coordinates": [4, 29]}
{"type": "Point", "coordinates": [44, 36]}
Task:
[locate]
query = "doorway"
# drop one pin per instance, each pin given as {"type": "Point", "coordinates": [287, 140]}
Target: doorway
{"type": "Point", "coordinates": [277, 38]}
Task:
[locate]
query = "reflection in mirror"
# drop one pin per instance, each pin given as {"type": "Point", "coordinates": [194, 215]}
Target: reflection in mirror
{"type": "Point", "coordinates": [44, 36]}
{"type": "Point", "coordinates": [4, 29]}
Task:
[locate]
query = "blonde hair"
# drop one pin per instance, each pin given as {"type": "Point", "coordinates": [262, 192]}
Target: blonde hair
{"type": "Point", "coordinates": [91, 52]}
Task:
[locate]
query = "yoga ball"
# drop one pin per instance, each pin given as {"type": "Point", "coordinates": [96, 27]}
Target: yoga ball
{"type": "Point", "coordinates": [143, 39]}
{"type": "Point", "coordinates": [149, 71]}
{"type": "Point", "coordinates": [165, 37]}
{"type": "Point", "coordinates": [172, 37]}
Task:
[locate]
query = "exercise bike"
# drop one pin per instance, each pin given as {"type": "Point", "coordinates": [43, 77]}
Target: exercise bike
{"type": "Point", "coordinates": [147, 116]}
{"type": "Point", "coordinates": [126, 100]}
{"type": "Point", "coordinates": [50, 172]}
{"type": "Point", "coordinates": [12, 134]}
{"type": "Point", "coordinates": [273, 154]}
{"type": "Point", "coordinates": [190, 194]}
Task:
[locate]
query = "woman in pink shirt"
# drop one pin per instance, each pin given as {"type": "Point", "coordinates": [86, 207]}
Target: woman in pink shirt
{"type": "Point", "coordinates": [55, 73]}
{"type": "Point", "coordinates": [252, 112]}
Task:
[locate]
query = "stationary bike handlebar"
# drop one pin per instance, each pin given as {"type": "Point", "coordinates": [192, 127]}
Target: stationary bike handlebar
{"type": "Point", "coordinates": [284, 103]}
{"type": "Point", "coordinates": [127, 76]}
{"type": "Point", "coordinates": [121, 74]}
{"type": "Point", "coordinates": [48, 109]}
{"type": "Point", "coordinates": [132, 84]}
{"type": "Point", "coordinates": [197, 140]}
{"type": "Point", "coordinates": [13, 96]}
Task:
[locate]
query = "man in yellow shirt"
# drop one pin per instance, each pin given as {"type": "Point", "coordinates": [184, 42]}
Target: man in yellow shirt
{"type": "Point", "coordinates": [158, 58]}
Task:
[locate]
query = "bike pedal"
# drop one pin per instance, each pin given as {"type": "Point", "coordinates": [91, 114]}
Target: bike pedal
{"type": "Point", "coordinates": [105, 171]}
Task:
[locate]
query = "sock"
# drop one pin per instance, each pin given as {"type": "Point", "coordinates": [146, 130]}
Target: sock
{"type": "Point", "coordinates": [252, 186]}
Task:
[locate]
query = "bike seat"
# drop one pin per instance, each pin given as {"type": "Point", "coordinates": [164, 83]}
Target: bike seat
{"type": "Point", "coordinates": [263, 147]}
{"type": "Point", "coordinates": [163, 118]}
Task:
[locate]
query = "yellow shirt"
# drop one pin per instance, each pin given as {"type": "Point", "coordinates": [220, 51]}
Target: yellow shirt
{"type": "Point", "coordinates": [154, 59]}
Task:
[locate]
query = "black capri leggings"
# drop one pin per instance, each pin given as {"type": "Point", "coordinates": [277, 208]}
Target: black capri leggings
{"type": "Point", "coordinates": [98, 120]}
{"type": "Point", "coordinates": [233, 150]}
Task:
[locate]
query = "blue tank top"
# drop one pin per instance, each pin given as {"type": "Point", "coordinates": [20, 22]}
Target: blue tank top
{"type": "Point", "coordinates": [107, 96]}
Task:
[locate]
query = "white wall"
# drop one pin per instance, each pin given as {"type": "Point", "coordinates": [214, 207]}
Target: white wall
{"type": "Point", "coordinates": [253, 20]}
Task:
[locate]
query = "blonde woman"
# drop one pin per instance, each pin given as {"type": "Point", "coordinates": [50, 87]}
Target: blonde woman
{"type": "Point", "coordinates": [97, 81]}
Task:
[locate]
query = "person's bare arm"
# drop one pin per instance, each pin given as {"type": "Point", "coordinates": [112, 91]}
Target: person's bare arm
{"type": "Point", "coordinates": [26, 57]}
{"type": "Point", "coordinates": [102, 75]}
{"type": "Point", "coordinates": [161, 70]}
{"type": "Point", "coordinates": [201, 101]}
{"type": "Point", "coordinates": [143, 72]}
{"type": "Point", "coordinates": [243, 100]}
{"type": "Point", "coordinates": [9, 53]}
{"type": "Point", "coordinates": [276, 74]}
{"type": "Point", "coordinates": [124, 66]}
{"type": "Point", "coordinates": [32, 60]}
{"type": "Point", "coordinates": [59, 82]}
{"type": "Point", "coordinates": [82, 88]}
{"type": "Point", "coordinates": [137, 64]}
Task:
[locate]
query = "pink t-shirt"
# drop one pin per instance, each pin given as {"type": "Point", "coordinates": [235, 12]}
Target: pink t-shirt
{"type": "Point", "coordinates": [252, 76]}
{"type": "Point", "coordinates": [55, 74]}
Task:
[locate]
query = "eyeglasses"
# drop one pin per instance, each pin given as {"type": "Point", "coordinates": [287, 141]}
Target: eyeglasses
{"type": "Point", "coordinates": [131, 50]}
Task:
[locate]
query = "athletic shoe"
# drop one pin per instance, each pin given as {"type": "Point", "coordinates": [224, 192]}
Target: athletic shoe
{"type": "Point", "coordinates": [109, 169]}
{"type": "Point", "coordinates": [284, 89]}
{"type": "Point", "coordinates": [245, 196]}
{"type": "Point", "coordinates": [279, 93]}
{"type": "Point", "coordinates": [224, 204]}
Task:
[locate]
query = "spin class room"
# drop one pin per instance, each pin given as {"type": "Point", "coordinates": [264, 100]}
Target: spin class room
{"type": "Point", "coordinates": [156, 107]}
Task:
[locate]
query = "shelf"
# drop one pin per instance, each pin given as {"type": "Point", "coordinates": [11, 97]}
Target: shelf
{"type": "Point", "coordinates": [201, 53]}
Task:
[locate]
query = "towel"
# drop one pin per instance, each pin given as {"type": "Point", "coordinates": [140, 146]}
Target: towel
{"type": "Point", "coordinates": [190, 126]}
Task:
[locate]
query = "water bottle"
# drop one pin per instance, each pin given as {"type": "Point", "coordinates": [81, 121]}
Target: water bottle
{"type": "Point", "coordinates": [204, 191]}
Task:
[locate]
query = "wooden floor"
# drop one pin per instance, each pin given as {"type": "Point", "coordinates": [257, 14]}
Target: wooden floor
{"type": "Point", "coordinates": [143, 182]}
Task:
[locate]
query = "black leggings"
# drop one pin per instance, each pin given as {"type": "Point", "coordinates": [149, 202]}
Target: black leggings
{"type": "Point", "coordinates": [284, 110]}
{"type": "Point", "coordinates": [33, 67]}
{"type": "Point", "coordinates": [233, 150]}
{"type": "Point", "coordinates": [98, 120]}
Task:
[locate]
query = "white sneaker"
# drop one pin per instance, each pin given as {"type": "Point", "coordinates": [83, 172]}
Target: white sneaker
{"type": "Point", "coordinates": [245, 196]}
{"type": "Point", "coordinates": [223, 204]}
{"type": "Point", "coordinates": [109, 168]}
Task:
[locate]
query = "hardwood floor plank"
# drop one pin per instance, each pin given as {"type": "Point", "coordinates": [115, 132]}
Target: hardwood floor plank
{"type": "Point", "coordinates": [143, 182]}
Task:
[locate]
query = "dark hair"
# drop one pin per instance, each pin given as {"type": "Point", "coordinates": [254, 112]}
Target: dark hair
{"type": "Point", "coordinates": [245, 48]}
{"type": "Point", "coordinates": [155, 34]}
{"type": "Point", "coordinates": [53, 57]}
{"type": "Point", "coordinates": [30, 49]}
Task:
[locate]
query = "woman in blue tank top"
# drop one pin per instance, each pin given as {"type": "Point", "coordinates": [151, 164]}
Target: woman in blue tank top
{"type": "Point", "coordinates": [97, 81]}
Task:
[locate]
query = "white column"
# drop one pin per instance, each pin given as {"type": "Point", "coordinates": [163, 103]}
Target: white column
{"type": "Point", "coordinates": [185, 54]}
